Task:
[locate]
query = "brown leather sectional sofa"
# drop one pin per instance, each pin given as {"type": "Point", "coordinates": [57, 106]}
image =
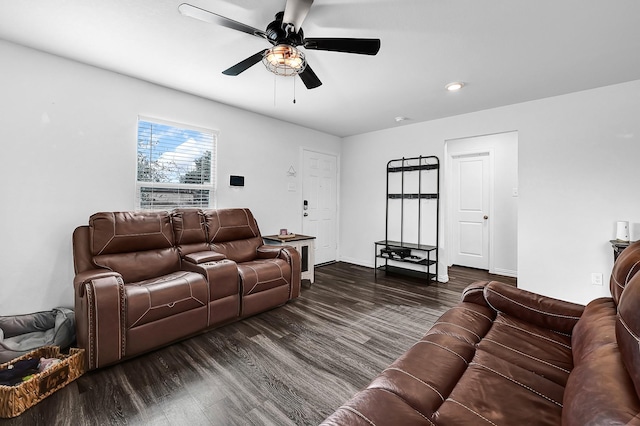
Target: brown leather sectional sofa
{"type": "Point", "coordinates": [504, 356]}
{"type": "Point", "coordinates": [144, 280]}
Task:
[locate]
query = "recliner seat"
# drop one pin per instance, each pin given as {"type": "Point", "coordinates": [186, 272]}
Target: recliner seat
{"type": "Point", "coordinates": [505, 356]}
{"type": "Point", "coordinates": [144, 280]}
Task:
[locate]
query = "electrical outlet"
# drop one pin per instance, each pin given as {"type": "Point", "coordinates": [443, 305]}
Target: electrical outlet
{"type": "Point", "coordinates": [596, 278]}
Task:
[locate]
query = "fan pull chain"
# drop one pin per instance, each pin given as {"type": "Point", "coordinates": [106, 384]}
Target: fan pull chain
{"type": "Point", "coordinates": [294, 89]}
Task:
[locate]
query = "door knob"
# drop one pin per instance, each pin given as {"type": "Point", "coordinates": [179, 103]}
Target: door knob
{"type": "Point", "coordinates": [305, 214]}
{"type": "Point", "coordinates": [486, 217]}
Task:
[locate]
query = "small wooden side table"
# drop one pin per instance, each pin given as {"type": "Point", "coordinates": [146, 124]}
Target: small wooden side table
{"type": "Point", "coordinates": [305, 245]}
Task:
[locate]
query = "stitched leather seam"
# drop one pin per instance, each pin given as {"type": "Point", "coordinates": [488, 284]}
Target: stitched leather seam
{"type": "Point", "coordinates": [530, 389]}
{"type": "Point", "coordinates": [445, 348]}
{"type": "Point", "coordinates": [560, 333]}
{"type": "Point", "coordinates": [459, 326]}
{"type": "Point", "coordinates": [473, 290]}
{"type": "Point", "coordinates": [551, 314]}
{"type": "Point", "coordinates": [627, 278]}
{"type": "Point", "coordinates": [473, 411]}
{"type": "Point", "coordinates": [248, 222]}
{"type": "Point", "coordinates": [123, 313]}
{"type": "Point", "coordinates": [537, 335]}
{"type": "Point", "coordinates": [416, 378]}
{"type": "Point", "coordinates": [525, 354]}
{"type": "Point", "coordinates": [358, 413]}
{"type": "Point", "coordinates": [472, 311]}
{"type": "Point", "coordinates": [91, 308]}
{"type": "Point", "coordinates": [213, 238]}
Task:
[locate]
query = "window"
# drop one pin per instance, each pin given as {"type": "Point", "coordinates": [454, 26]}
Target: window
{"type": "Point", "coordinates": [176, 166]}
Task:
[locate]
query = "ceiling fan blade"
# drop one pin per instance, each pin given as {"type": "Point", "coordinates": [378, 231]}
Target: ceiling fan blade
{"type": "Point", "coordinates": [309, 78]}
{"type": "Point", "coordinates": [363, 46]}
{"type": "Point", "coordinates": [295, 12]}
{"type": "Point", "coordinates": [244, 65]}
{"type": "Point", "coordinates": [204, 15]}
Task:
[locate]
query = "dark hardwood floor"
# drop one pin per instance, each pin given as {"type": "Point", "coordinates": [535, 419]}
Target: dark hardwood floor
{"type": "Point", "coordinates": [293, 365]}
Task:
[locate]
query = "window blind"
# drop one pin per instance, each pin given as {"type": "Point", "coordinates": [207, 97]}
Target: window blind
{"type": "Point", "coordinates": [175, 166]}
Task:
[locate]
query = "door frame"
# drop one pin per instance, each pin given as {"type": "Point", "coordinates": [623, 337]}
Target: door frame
{"type": "Point", "coordinates": [301, 198]}
{"type": "Point", "coordinates": [449, 158]}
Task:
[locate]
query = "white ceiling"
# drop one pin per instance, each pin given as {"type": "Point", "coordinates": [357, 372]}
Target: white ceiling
{"type": "Point", "coordinates": [506, 51]}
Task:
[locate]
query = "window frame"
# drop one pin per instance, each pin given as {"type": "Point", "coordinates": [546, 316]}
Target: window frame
{"type": "Point", "coordinates": [211, 187]}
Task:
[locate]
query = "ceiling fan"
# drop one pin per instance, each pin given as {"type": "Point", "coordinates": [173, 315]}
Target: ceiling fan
{"type": "Point", "coordinates": [285, 34]}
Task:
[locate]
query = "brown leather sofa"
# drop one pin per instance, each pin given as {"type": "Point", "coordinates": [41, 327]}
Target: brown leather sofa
{"type": "Point", "coordinates": [145, 280]}
{"type": "Point", "coordinates": [505, 356]}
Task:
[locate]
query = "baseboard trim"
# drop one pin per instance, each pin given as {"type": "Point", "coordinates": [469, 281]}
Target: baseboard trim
{"type": "Point", "coordinates": [356, 262]}
{"type": "Point", "coordinates": [506, 272]}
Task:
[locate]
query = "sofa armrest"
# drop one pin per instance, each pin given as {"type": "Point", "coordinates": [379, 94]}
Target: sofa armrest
{"type": "Point", "coordinates": [553, 314]}
{"type": "Point", "coordinates": [289, 255]}
{"type": "Point", "coordinates": [204, 257]}
{"type": "Point", "coordinates": [93, 274]}
{"type": "Point", "coordinates": [271, 252]}
{"type": "Point", "coordinates": [474, 293]}
{"type": "Point", "coordinates": [222, 276]}
{"type": "Point", "coordinates": [100, 316]}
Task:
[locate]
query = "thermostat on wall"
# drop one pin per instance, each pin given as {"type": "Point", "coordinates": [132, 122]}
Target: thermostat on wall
{"type": "Point", "coordinates": [236, 180]}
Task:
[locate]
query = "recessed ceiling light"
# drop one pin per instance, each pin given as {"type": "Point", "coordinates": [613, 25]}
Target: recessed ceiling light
{"type": "Point", "coordinates": [455, 86]}
{"type": "Point", "coordinates": [401, 118]}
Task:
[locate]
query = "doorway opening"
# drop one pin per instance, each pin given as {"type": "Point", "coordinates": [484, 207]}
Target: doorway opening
{"type": "Point", "coordinates": [481, 227]}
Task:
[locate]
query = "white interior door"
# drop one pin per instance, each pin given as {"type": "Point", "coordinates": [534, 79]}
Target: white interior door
{"type": "Point", "coordinates": [471, 210]}
{"type": "Point", "coordinates": [319, 187]}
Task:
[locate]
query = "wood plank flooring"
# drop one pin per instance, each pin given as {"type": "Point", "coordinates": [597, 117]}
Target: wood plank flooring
{"type": "Point", "coordinates": [293, 365]}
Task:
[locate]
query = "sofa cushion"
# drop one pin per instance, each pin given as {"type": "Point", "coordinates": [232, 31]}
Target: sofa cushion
{"type": "Point", "coordinates": [142, 265]}
{"type": "Point", "coordinates": [239, 250]}
{"type": "Point", "coordinates": [161, 297]}
{"type": "Point", "coordinates": [494, 391]}
{"type": "Point", "coordinates": [264, 274]}
{"type": "Point", "coordinates": [230, 225]}
{"type": "Point", "coordinates": [528, 346]}
{"type": "Point", "coordinates": [189, 230]}
{"type": "Point", "coordinates": [125, 232]}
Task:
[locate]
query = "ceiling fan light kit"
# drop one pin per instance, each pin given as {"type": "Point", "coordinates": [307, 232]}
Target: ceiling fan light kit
{"type": "Point", "coordinates": [284, 60]}
{"type": "Point", "coordinates": [285, 34]}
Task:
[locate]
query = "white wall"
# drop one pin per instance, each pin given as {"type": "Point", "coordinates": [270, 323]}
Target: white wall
{"type": "Point", "coordinates": [68, 135]}
{"type": "Point", "coordinates": [578, 156]}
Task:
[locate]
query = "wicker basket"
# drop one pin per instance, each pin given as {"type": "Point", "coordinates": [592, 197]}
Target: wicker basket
{"type": "Point", "coordinates": [14, 400]}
